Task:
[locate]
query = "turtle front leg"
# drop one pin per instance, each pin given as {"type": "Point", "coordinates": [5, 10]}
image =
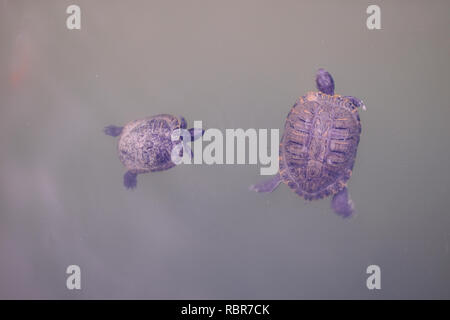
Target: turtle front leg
{"type": "Point", "coordinates": [112, 130]}
{"type": "Point", "coordinates": [325, 82]}
{"type": "Point", "coordinates": [267, 185]}
{"type": "Point", "coordinates": [130, 180]}
{"type": "Point", "coordinates": [357, 102]}
{"type": "Point", "coordinates": [342, 204]}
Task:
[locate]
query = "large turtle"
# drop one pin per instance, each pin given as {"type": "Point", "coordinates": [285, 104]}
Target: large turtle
{"type": "Point", "coordinates": [146, 145]}
{"type": "Point", "coordinates": [318, 147]}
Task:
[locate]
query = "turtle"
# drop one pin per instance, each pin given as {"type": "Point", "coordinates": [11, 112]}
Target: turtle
{"type": "Point", "coordinates": [146, 145]}
{"type": "Point", "coordinates": [318, 147]}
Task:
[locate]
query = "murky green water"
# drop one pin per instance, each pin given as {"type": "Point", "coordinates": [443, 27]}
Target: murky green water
{"type": "Point", "coordinates": [196, 231]}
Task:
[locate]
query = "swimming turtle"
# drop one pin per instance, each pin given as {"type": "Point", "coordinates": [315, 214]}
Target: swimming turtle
{"type": "Point", "coordinates": [318, 147]}
{"type": "Point", "coordinates": [146, 145]}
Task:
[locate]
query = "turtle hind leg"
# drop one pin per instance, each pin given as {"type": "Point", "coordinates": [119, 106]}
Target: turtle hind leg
{"type": "Point", "coordinates": [130, 180]}
{"type": "Point", "coordinates": [112, 130]}
{"type": "Point", "coordinates": [267, 185]}
{"type": "Point", "coordinates": [342, 204]}
{"type": "Point", "coordinates": [325, 82]}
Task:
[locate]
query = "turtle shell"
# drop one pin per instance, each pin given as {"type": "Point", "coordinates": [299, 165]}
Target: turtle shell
{"type": "Point", "coordinates": [318, 147]}
{"type": "Point", "coordinates": [145, 145]}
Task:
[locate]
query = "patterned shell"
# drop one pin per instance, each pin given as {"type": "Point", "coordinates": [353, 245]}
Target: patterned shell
{"type": "Point", "coordinates": [145, 145]}
{"type": "Point", "coordinates": [318, 147]}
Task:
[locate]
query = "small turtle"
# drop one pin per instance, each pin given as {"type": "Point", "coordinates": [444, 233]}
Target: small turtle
{"type": "Point", "coordinates": [146, 145]}
{"type": "Point", "coordinates": [318, 147]}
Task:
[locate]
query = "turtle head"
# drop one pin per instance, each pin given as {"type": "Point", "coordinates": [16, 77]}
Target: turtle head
{"type": "Point", "coordinates": [325, 82]}
{"type": "Point", "coordinates": [191, 134]}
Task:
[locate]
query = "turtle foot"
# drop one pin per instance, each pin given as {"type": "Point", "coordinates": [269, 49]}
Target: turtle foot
{"type": "Point", "coordinates": [130, 180]}
{"type": "Point", "coordinates": [342, 204]}
{"type": "Point", "coordinates": [267, 185]}
{"type": "Point", "coordinates": [112, 130]}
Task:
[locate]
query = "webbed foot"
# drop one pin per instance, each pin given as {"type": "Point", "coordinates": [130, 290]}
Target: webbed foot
{"type": "Point", "coordinates": [357, 102]}
{"type": "Point", "coordinates": [342, 204]}
{"type": "Point", "coordinates": [267, 185]}
{"type": "Point", "coordinates": [112, 130]}
{"type": "Point", "coordinates": [130, 180]}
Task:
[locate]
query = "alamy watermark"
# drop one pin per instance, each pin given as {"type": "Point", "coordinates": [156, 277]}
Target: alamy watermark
{"type": "Point", "coordinates": [374, 280]}
{"type": "Point", "coordinates": [240, 145]}
{"type": "Point", "coordinates": [73, 281]}
{"type": "Point", "coordinates": [373, 22]}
